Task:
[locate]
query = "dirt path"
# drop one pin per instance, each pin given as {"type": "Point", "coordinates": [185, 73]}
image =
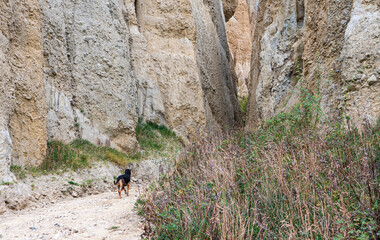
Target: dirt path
{"type": "Point", "coordinates": [102, 216]}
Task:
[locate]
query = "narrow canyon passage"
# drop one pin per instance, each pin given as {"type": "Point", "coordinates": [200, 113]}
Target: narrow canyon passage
{"type": "Point", "coordinates": [140, 82]}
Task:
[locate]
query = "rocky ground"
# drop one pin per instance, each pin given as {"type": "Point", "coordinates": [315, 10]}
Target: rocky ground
{"type": "Point", "coordinates": [101, 216]}
{"type": "Point", "coordinates": [75, 205]}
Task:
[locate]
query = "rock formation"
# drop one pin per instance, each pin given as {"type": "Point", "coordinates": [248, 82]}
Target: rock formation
{"type": "Point", "coordinates": [22, 108]}
{"type": "Point", "coordinates": [335, 44]}
{"type": "Point", "coordinates": [89, 70]}
{"type": "Point", "coordinates": [240, 42]}
{"type": "Point", "coordinates": [89, 86]}
{"type": "Point", "coordinates": [181, 60]}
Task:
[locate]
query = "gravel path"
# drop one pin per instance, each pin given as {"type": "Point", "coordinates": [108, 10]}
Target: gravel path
{"type": "Point", "coordinates": [102, 216]}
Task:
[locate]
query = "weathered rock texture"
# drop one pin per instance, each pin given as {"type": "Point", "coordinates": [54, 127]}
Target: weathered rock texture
{"type": "Point", "coordinates": [229, 8]}
{"type": "Point", "coordinates": [74, 69]}
{"type": "Point", "coordinates": [240, 42]}
{"type": "Point", "coordinates": [22, 108]}
{"type": "Point", "coordinates": [181, 60]}
{"type": "Point", "coordinates": [90, 89]}
{"type": "Point", "coordinates": [335, 44]}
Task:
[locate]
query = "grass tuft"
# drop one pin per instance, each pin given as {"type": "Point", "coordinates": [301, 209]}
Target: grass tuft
{"type": "Point", "coordinates": [154, 137]}
{"type": "Point", "coordinates": [243, 102]}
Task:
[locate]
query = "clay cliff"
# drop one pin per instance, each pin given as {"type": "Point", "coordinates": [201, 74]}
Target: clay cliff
{"type": "Point", "coordinates": [334, 44]}
{"type": "Point", "coordinates": [239, 37]}
{"type": "Point", "coordinates": [23, 106]}
{"type": "Point", "coordinates": [89, 70]}
{"type": "Point", "coordinates": [181, 61]}
{"type": "Point", "coordinates": [72, 69]}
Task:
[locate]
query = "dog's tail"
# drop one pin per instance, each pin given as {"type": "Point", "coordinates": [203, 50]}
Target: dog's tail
{"type": "Point", "coordinates": [115, 182]}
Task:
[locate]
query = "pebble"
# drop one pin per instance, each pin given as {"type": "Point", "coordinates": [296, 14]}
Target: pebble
{"type": "Point", "coordinates": [372, 80]}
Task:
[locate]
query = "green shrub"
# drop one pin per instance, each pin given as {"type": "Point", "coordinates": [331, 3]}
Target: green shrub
{"type": "Point", "coordinates": [152, 136]}
{"type": "Point", "coordinates": [18, 171]}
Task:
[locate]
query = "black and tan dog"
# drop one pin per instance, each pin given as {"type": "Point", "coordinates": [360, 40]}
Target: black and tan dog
{"type": "Point", "coordinates": [122, 181]}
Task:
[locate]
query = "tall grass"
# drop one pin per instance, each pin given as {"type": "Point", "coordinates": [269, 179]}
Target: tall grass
{"type": "Point", "coordinates": [286, 180]}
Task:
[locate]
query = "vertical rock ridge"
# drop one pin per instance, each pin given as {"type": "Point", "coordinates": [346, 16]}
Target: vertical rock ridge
{"type": "Point", "coordinates": [27, 118]}
{"type": "Point", "coordinates": [240, 44]}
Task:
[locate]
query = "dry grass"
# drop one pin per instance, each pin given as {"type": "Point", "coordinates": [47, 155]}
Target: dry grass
{"type": "Point", "coordinates": [285, 180]}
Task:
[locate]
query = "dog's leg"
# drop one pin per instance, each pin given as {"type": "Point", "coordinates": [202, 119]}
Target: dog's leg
{"type": "Point", "coordinates": [125, 190]}
{"type": "Point", "coordinates": [128, 189]}
{"type": "Point", "coordinates": [119, 189]}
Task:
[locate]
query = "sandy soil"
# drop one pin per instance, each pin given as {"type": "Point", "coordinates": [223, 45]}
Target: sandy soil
{"type": "Point", "coordinates": [102, 216]}
{"type": "Point", "coordinates": [76, 205]}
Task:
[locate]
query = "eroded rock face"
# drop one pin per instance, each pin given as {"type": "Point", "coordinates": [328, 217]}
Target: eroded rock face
{"type": "Point", "coordinates": [22, 110]}
{"type": "Point", "coordinates": [240, 43]}
{"type": "Point", "coordinates": [88, 70]}
{"type": "Point", "coordinates": [90, 89]}
{"type": "Point", "coordinates": [360, 62]}
{"type": "Point", "coordinates": [168, 65]}
{"type": "Point", "coordinates": [334, 44]}
{"type": "Point", "coordinates": [181, 60]}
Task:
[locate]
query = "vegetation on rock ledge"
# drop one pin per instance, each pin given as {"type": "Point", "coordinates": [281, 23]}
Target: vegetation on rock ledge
{"type": "Point", "coordinates": [155, 141]}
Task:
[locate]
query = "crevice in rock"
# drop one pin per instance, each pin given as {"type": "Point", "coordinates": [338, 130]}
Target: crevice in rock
{"type": "Point", "coordinates": [300, 12]}
{"type": "Point", "coordinates": [136, 12]}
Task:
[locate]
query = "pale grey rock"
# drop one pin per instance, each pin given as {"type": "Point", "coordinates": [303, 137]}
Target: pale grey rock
{"type": "Point", "coordinates": [74, 69]}
{"type": "Point", "coordinates": [182, 62]}
{"type": "Point", "coordinates": [372, 80]}
{"type": "Point", "coordinates": [335, 46]}
{"type": "Point", "coordinates": [150, 104]}
{"type": "Point", "coordinates": [215, 65]}
{"type": "Point", "coordinates": [16, 196]}
{"type": "Point", "coordinates": [60, 115]}
{"type": "Point", "coordinates": [6, 101]}
{"type": "Point", "coordinates": [361, 56]}
{"type": "Point", "coordinates": [89, 83]}
{"type": "Point", "coordinates": [74, 194]}
{"type": "Point", "coordinates": [5, 156]}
